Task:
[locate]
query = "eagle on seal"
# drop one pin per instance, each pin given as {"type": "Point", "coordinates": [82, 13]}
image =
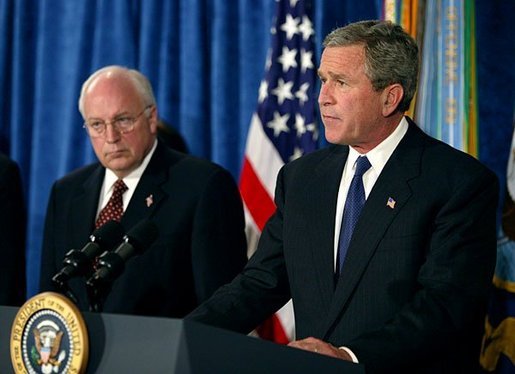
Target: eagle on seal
{"type": "Point", "coordinates": [47, 345]}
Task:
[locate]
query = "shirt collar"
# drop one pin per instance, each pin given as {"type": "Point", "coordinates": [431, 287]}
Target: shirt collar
{"type": "Point", "coordinates": [382, 152]}
{"type": "Point", "coordinates": [132, 179]}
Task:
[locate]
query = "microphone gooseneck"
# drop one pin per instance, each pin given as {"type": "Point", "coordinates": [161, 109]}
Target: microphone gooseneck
{"type": "Point", "coordinates": [112, 264]}
{"type": "Point", "coordinates": [78, 262]}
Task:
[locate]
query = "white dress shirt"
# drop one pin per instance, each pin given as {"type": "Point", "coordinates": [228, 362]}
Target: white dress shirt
{"type": "Point", "coordinates": [131, 181]}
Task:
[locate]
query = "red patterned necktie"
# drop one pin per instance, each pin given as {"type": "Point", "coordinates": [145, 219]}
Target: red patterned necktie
{"type": "Point", "coordinates": [113, 211]}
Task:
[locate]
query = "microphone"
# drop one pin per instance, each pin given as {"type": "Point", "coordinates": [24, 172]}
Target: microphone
{"type": "Point", "coordinates": [112, 264]}
{"type": "Point", "coordinates": [77, 263]}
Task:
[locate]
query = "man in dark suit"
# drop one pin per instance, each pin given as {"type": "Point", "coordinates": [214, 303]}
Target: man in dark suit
{"type": "Point", "coordinates": [12, 234]}
{"type": "Point", "coordinates": [194, 203]}
{"type": "Point", "coordinates": [410, 292]}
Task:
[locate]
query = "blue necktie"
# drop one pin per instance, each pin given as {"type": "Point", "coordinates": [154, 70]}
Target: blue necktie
{"type": "Point", "coordinates": [353, 205]}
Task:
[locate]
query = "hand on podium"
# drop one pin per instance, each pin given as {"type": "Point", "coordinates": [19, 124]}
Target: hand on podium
{"type": "Point", "coordinates": [318, 346]}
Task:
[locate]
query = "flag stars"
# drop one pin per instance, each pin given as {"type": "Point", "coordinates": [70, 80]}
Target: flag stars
{"type": "Point", "coordinates": [306, 60]}
{"type": "Point", "coordinates": [297, 152]}
{"type": "Point", "coordinates": [302, 93]}
{"type": "Point", "coordinates": [285, 96]}
{"type": "Point", "coordinates": [306, 28]}
{"type": "Point", "coordinates": [283, 91]}
{"type": "Point", "coordinates": [287, 59]}
{"type": "Point", "coordinates": [263, 91]}
{"type": "Point", "coordinates": [302, 128]}
{"type": "Point", "coordinates": [268, 62]}
{"type": "Point", "coordinates": [313, 129]}
{"type": "Point", "coordinates": [300, 125]}
{"type": "Point", "coordinates": [290, 26]}
{"type": "Point", "coordinates": [279, 123]}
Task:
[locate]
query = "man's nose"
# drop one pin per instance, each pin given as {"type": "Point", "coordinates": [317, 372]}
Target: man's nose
{"type": "Point", "coordinates": [112, 134]}
{"type": "Point", "coordinates": [326, 96]}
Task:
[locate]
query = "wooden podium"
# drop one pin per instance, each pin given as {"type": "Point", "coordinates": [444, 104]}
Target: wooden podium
{"type": "Point", "coordinates": [132, 344]}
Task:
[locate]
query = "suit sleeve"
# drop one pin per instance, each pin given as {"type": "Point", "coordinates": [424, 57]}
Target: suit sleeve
{"type": "Point", "coordinates": [219, 249]}
{"type": "Point", "coordinates": [453, 282]}
{"type": "Point", "coordinates": [12, 232]}
{"type": "Point", "coordinates": [260, 290]}
{"type": "Point", "coordinates": [48, 268]}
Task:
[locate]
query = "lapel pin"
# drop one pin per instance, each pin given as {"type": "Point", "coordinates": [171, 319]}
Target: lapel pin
{"type": "Point", "coordinates": [390, 203]}
{"type": "Point", "coordinates": [149, 200]}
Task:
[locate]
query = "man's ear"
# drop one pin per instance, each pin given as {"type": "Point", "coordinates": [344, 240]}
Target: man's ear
{"type": "Point", "coordinates": [153, 119]}
{"type": "Point", "coordinates": [391, 98]}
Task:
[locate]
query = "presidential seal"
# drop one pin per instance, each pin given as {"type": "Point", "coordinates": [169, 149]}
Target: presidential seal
{"type": "Point", "coordinates": [49, 336]}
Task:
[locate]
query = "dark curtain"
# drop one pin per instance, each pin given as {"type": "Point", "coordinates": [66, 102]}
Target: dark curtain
{"type": "Point", "coordinates": [495, 40]}
{"type": "Point", "coordinates": [205, 59]}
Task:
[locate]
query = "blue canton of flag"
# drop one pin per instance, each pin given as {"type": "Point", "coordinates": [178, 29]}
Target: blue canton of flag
{"type": "Point", "coordinates": [286, 100]}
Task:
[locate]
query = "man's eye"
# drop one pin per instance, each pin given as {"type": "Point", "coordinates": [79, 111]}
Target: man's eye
{"type": "Point", "coordinates": [97, 125]}
{"type": "Point", "coordinates": [123, 122]}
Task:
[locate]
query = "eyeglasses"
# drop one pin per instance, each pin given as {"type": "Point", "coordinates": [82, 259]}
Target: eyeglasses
{"type": "Point", "coordinates": [123, 124]}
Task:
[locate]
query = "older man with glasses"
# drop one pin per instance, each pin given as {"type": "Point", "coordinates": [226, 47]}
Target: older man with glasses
{"type": "Point", "coordinates": [194, 203]}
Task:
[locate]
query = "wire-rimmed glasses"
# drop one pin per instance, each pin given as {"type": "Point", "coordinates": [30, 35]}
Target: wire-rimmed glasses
{"type": "Point", "coordinates": [124, 124]}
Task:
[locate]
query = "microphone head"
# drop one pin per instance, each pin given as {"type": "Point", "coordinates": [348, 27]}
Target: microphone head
{"type": "Point", "coordinates": [108, 235]}
{"type": "Point", "coordinates": [112, 264]}
{"type": "Point", "coordinates": [142, 235]}
{"type": "Point", "coordinates": [78, 263]}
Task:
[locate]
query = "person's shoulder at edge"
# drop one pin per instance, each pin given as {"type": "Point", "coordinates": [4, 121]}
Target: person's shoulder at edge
{"type": "Point", "coordinates": [319, 154]}
{"type": "Point", "coordinates": [6, 162]}
{"type": "Point", "coordinates": [191, 168]}
{"type": "Point", "coordinates": [460, 161]}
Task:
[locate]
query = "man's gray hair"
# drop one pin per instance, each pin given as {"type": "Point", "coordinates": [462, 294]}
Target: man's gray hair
{"type": "Point", "coordinates": [391, 54]}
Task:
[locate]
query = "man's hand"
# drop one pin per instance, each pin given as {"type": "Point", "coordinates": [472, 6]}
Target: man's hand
{"type": "Point", "coordinates": [318, 346]}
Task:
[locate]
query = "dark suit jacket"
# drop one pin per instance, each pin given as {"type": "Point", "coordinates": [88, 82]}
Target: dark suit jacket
{"type": "Point", "coordinates": [12, 234]}
{"type": "Point", "coordinates": [414, 285]}
{"type": "Point", "coordinates": [201, 244]}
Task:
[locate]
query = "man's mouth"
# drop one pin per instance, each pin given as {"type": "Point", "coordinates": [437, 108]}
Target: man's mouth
{"type": "Point", "coordinates": [329, 117]}
{"type": "Point", "coordinates": [115, 154]}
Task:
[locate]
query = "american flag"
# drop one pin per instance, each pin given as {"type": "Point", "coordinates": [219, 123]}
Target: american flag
{"type": "Point", "coordinates": [282, 129]}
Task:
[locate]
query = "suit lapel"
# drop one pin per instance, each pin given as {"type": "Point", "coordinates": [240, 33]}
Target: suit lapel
{"type": "Point", "coordinates": [85, 205]}
{"type": "Point", "coordinates": [376, 217]}
{"type": "Point", "coordinates": [327, 181]}
{"type": "Point", "coordinates": [149, 192]}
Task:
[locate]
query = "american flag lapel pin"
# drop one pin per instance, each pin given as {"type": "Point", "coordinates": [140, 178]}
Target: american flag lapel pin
{"type": "Point", "coordinates": [390, 203]}
{"type": "Point", "coordinates": [149, 200]}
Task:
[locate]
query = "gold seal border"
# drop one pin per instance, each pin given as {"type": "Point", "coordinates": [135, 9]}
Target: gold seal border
{"type": "Point", "coordinates": [70, 314]}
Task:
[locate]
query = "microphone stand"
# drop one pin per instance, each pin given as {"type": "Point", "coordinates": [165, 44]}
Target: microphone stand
{"type": "Point", "coordinates": [100, 283]}
{"type": "Point", "coordinates": [112, 264]}
{"type": "Point", "coordinates": [63, 288]}
{"type": "Point", "coordinates": [97, 295]}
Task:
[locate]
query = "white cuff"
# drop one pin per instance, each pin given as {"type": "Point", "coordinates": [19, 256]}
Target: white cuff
{"type": "Point", "coordinates": [351, 354]}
